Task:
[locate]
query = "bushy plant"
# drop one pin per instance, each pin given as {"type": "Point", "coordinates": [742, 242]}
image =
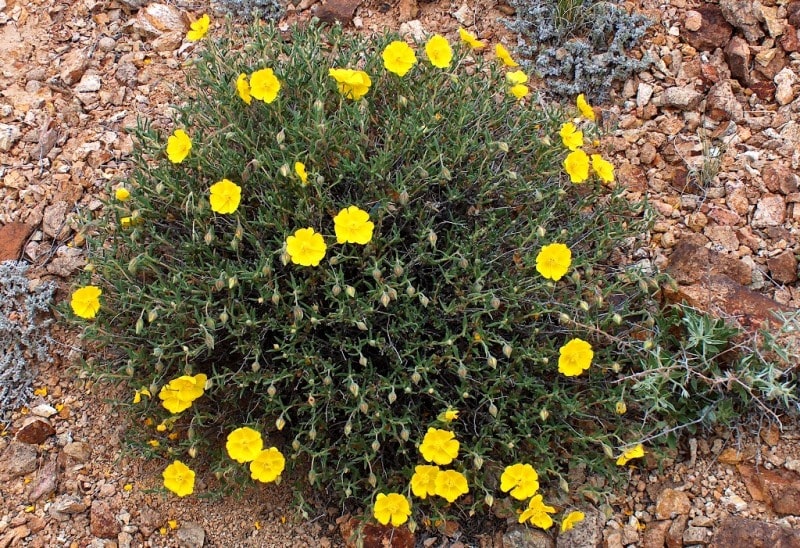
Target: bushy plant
{"type": "Point", "coordinates": [233, 302]}
{"type": "Point", "coordinates": [579, 46]}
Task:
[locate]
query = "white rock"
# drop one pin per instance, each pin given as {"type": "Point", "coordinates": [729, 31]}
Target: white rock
{"type": "Point", "coordinates": [783, 82]}
{"type": "Point", "coordinates": [44, 410]}
{"type": "Point", "coordinates": [89, 83]}
{"type": "Point", "coordinates": [734, 502]}
{"type": "Point", "coordinates": [8, 136]}
{"type": "Point", "coordinates": [465, 15]}
{"type": "Point", "coordinates": [693, 20]}
{"type": "Point", "coordinates": [415, 29]}
{"type": "Point", "coordinates": [643, 94]}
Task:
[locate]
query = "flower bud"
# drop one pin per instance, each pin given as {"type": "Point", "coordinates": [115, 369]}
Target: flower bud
{"type": "Point", "coordinates": [544, 414]}
{"type": "Point", "coordinates": [361, 326]}
{"type": "Point", "coordinates": [404, 434]}
{"type": "Point", "coordinates": [415, 377]}
{"type": "Point", "coordinates": [608, 451]}
{"type": "Point", "coordinates": [392, 396]}
{"type": "Point", "coordinates": [337, 289]}
{"type": "Point", "coordinates": [432, 238]}
{"type": "Point", "coordinates": [385, 300]}
{"type": "Point", "coordinates": [219, 285]}
{"type": "Point", "coordinates": [584, 306]}
{"type": "Point", "coordinates": [503, 146]}
{"type": "Point", "coordinates": [410, 291]}
{"type": "Point", "coordinates": [462, 371]}
{"type": "Point", "coordinates": [350, 290]}
{"type": "Point", "coordinates": [348, 428]}
{"type": "Point", "coordinates": [392, 292]}
{"type": "Point", "coordinates": [489, 500]}
{"type": "Point", "coordinates": [209, 237]}
{"type": "Point", "coordinates": [423, 300]}
{"type": "Point", "coordinates": [353, 388]}
{"type": "Point", "coordinates": [276, 298]}
{"type": "Point", "coordinates": [563, 485]}
{"type": "Point", "coordinates": [255, 367]}
{"type": "Point", "coordinates": [327, 381]}
{"type": "Point", "coordinates": [648, 344]}
{"type": "Point", "coordinates": [209, 339]}
{"type": "Point", "coordinates": [493, 409]}
{"type": "Point", "coordinates": [280, 423]}
{"type": "Point", "coordinates": [376, 445]}
{"type": "Point", "coordinates": [160, 188]}
{"type": "Point", "coordinates": [495, 302]}
{"type": "Point", "coordinates": [403, 198]}
{"type": "Point", "coordinates": [564, 319]}
{"type": "Point", "coordinates": [318, 105]}
{"type": "Point", "coordinates": [312, 434]}
{"type": "Point", "coordinates": [446, 175]}
{"type": "Point", "coordinates": [363, 407]}
{"type": "Point", "coordinates": [232, 281]}
{"type": "Point", "coordinates": [296, 445]}
{"type": "Point", "coordinates": [491, 361]}
{"type": "Point", "coordinates": [463, 263]}
{"type": "Point", "coordinates": [281, 136]}
{"type": "Point", "coordinates": [284, 170]}
{"type": "Point", "coordinates": [477, 462]}
{"type": "Point", "coordinates": [223, 317]}
{"type": "Point", "coordinates": [297, 314]}
{"type": "Point", "coordinates": [621, 408]}
{"type": "Point", "coordinates": [402, 102]}
{"type": "Point", "coordinates": [617, 319]}
{"type": "Point", "coordinates": [312, 477]}
{"type": "Point", "coordinates": [373, 480]}
{"type": "Point", "coordinates": [192, 451]}
{"type": "Point", "coordinates": [507, 350]}
{"type": "Point", "coordinates": [362, 360]}
{"type": "Point", "coordinates": [139, 325]}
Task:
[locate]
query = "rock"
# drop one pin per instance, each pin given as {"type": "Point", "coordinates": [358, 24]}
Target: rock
{"type": "Point", "coordinates": [12, 239]}
{"type": "Point", "coordinates": [690, 262]}
{"type": "Point", "coordinates": [67, 261]}
{"type": "Point", "coordinates": [682, 98]}
{"type": "Point", "coordinates": [520, 536]}
{"type": "Point", "coordinates": [769, 62]}
{"type": "Point", "coordinates": [78, 451]}
{"type": "Point", "coordinates": [15, 536]}
{"type": "Point", "coordinates": [169, 41]}
{"type": "Point", "coordinates": [65, 506]}
{"type": "Point", "coordinates": [35, 430]}
{"type": "Point", "coordinates": [588, 532]}
{"type": "Point", "coordinates": [8, 136]}
{"type": "Point", "coordinates": [408, 9]}
{"type": "Point", "coordinates": [741, 14]}
{"type": "Point", "coordinates": [721, 296]}
{"type": "Point", "coordinates": [724, 236]}
{"type": "Point", "coordinates": [613, 540]}
{"type": "Point", "coordinates": [696, 535]}
{"type": "Point", "coordinates": [790, 41]}
{"type": "Point", "coordinates": [793, 13]}
{"type": "Point", "coordinates": [780, 489]}
{"type": "Point", "coordinates": [714, 31]}
{"type": "Point", "coordinates": [778, 177]}
{"type": "Point", "coordinates": [783, 86]}
{"type": "Point", "coordinates": [102, 522]}
{"type": "Point", "coordinates": [783, 267]}
{"type": "Point", "coordinates": [769, 16]}
{"type": "Point", "coordinates": [414, 30]}
{"type": "Point", "coordinates": [464, 15]}
{"type": "Point", "coordinates": [764, 90]}
{"type": "Point", "coordinates": [89, 83]}
{"type": "Point", "coordinates": [734, 503]}
{"type": "Point", "coordinates": [737, 55]}
{"type": "Point", "coordinates": [692, 20]}
{"type": "Point", "coordinates": [724, 217]}
{"type": "Point", "coordinates": [675, 532]}
{"type": "Point", "coordinates": [337, 10]}
{"type": "Point", "coordinates": [736, 531]}
{"type": "Point", "coordinates": [632, 177]}
{"type": "Point", "coordinates": [671, 503]}
{"type": "Point", "coordinates": [17, 460]}
{"type": "Point", "coordinates": [73, 66]}
{"type": "Point", "coordinates": [54, 220]}
{"type": "Point", "coordinates": [156, 19]}
{"type": "Point", "coordinates": [770, 211]}
{"type": "Point", "coordinates": [46, 481]}
{"type": "Point", "coordinates": [721, 103]}
{"type": "Point", "coordinates": [375, 536]}
{"type": "Point", "coordinates": [655, 535]}
{"type": "Point", "coordinates": [643, 94]}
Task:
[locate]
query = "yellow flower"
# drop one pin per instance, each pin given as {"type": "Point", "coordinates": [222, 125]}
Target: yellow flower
{"type": "Point", "coordinates": [300, 170]}
{"type": "Point", "coordinates": [243, 88]}
{"type": "Point", "coordinates": [127, 222]}
{"type": "Point", "coordinates": [225, 196]}
{"type": "Point", "coordinates": [199, 28]}
{"type": "Point", "coordinates": [439, 446]}
{"type": "Point", "coordinates": [621, 408]}
{"type": "Point", "coordinates": [519, 91]}
{"type": "Point", "coordinates": [267, 466]}
{"type": "Point", "coordinates": [570, 521]}
{"type": "Point", "coordinates": [178, 146]}
{"type": "Point", "coordinates": [504, 56]}
{"type": "Point", "coordinates": [352, 225]}
{"type": "Point", "coordinates": [398, 57]}
{"type": "Point", "coordinates": [179, 479]}
{"type": "Point", "coordinates": [538, 513]}
{"type": "Point", "coordinates": [85, 301]}
{"type": "Point", "coordinates": [450, 484]}
{"type": "Point", "coordinates": [264, 85]}
{"type": "Point", "coordinates": [179, 393]}
{"type": "Point", "coordinates": [553, 261]}
{"type": "Point", "coordinates": [306, 247]}
{"type": "Point", "coordinates": [392, 508]}
{"type": "Point", "coordinates": [423, 482]}
{"type": "Point", "coordinates": [122, 194]}
{"type": "Point", "coordinates": [521, 479]}
{"type": "Point", "coordinates": [448, 415]}
{"type": "Point", "coordinates": [585, 108]}
{"type": "Point", "coordinates": [353, 84]}
{"type": "Point", "coordinates": [574, 357]}
{"type": "Point", "coordinates": [576, 164]}
{"type": "Point", "coordinates": [154, 443]}
{"type": "Point", "coordinates": [137, 395]}
{"type": "Point", "coordinates": [470, 39]}
{"type": "Point", "coordinates": [571, 136]}
{"type": "Point", "coordinates": [603, 168]}
{"type": "Point", "coordinates": [635, 452]}
{"type": "Point", "coordinates": [244, 444]}
{"type": "Point", "coordinates": [439, 52]}
{"type": "Point", "coordinates": [516, 77]}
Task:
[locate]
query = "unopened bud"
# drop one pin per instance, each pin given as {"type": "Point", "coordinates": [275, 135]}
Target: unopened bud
{"type": "Point", "coordinates": [350, 290]}
{"type": "Point", "coordinates": [348, 428]}
{"type": "Point", "coordinates": [507, 350]}
{"type": "Point", "coordinates": [297, 313]}
{"type": "Point", "coordinates": [363, 407]}
{"type": "Point", "coordinates": [503, 146]}
{"type": "Point", "coordinates": [377, 274]}
{"type": "Point", "coordinates": [281, 136]}
{"type": "Point", "coordinates": [584, 306]}
{"type": "Point", "coordinates": [385, 300]}
{"type": "Point", "coordinates": [284, 170]}
{"type": "Point", "coordinates": [404, 434]}
{"type": "Point", "coordinates": [373, 481]}
{"type": "Point", "coordinates": [415, 377]}
{"type": "Point", "coordinates": [392, 292]}
{"type": "Point", "coordinates": [296, 445]}
{"type": "Point", "coordinates": [648, 344]}
{"type": "Point", "coordinates": [495, 302]}
{"type": "Point", "coordinates": [336, 290]}
{"type": "Point", "coordinates": [353, 388]}
{"type": "Point", "coordinates": [361, 326]}
{"type": "Point", "coordinates": [432, 238]}
{"type": "Point", "coordinates": [489, 500]}
{"type": "Point", "coordinates": [477, 462]}
{"type": "Point", "coordinates": [362, 360]}
{"type": "Point", "coordinates": [280, 423]}
{"type": "Point", "coordinates": [563, 485]}
{"type": "Point", "coordinates": [608, 451]}
{"type": "Point", "coordinates": [318, 105]}
{"type": "Point", "coordinates": [410, 291]}
{"type": "Point", "coordinates": [493, 409]}
{"type": "Point", "coordinates": [423, 300]}
{"type": "Point", "coordinates": [462, 371]}
{"type": "Point", "coordinates": [463, 263]}
{"type": "Point", "coordinates": [209, 237]}
{"type": "Point", "coordinates": [376, 445]}
{"type": "Point", "coordinates": [392, 397]}
{"type": "Point", "coordinates": [491, 361]}
{"type": "Point", "coordinates": [312, 434]}
{"type": "Point", "coordinates": [255, 367]}
{"type": "Point", "coordinates": [223, 317]}
{"type": "Point", "coordinates": [139, 325]}
{"type": "Point", "coordinates": [397, 270]}
{"type": "Point", "coordinates": [544, 413]}
{"type": "Point", "coordinates": [446, 175]}
{"type": "Point", "coordinates": [276, 298]}
{"type": "Point", "coordinates": [617, 319]}
{"type": "Point", "coordinates": [402, 101]}
{"type": "Point", "coordinates": [403, 198]}
{"type": "Point", "coordinates": [192, 451]}
{"type": "Point", "coordinates": [621, 408]}
{"type": "Point", "coordinates": [564, 319]}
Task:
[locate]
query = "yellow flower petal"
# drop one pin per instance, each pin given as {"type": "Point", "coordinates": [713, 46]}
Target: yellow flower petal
{"type": "Point", "coordinates": [503, 54]}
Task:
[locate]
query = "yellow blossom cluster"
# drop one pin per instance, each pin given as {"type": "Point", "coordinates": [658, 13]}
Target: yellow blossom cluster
{"type": "Point", "coordinates": [577, 162]}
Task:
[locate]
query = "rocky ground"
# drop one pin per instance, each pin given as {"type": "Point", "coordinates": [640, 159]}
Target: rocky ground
{"type": "Point", "coordinates": [710, 134]}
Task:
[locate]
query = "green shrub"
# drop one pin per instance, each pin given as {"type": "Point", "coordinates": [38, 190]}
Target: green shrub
{"type": "Point", "coordinates": [345, 365]}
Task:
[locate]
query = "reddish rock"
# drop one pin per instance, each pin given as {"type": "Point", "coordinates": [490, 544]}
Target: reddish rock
{"type": "Point", "coordinates": [793, 13]}
{"type": "Point", "coordinates": [737, 54]}
{"type": "Point", "coordinates": [779, 178]}
{"type": "Point", "coordinates": [724, 217]}
{"type": "Point", "coordinates": [790, 42]}
{"type": "Point", "coordinates": [655, 535]}
{"type": "Point", "coordinates": [337, 10]}
{"type": "Point", "coordinates": [17, 460]}
{"type": "Point", "coordinates": [675, 532]}
{"type": "Point", "coordinates": [46, 481]}
{"type": "Point", "coordinates": [721, 103]}
{"type": "Point", "coordinates": [689, 263]}
{"type": "Point", "coordinates": [783, 267]}
{"type": "Point", "coordinates": [12, 239]}
{"type": "Point", "coordinates": [73, 66]}
{"type": "Point", "coordinates": [773, 67]}
{"type": "Point", "coordinates": [764, 89]}
{"type": "Point", "coordinates": [721, 296]}
{"type": "Point", "coordinates": [35, 430]}
{"type": "Point", "coordinates": [741, 14]}
{"type": "Point", "coordinates": [632, 177]}
{"type": "Point", "coordinates": [371, 535]}
{"type": "Point", "coordinates": [770, 211]}
{"type": "Point", "coordinates": [736, 531]}
{"type": "Point", "coordinates": [102, 522]}
{"type": "Point", "coordinates": [672, 503]}
{"type": "Point", "coordinates": [714, 31]}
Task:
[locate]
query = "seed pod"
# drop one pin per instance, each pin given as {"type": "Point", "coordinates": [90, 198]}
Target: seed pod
{"type": "Point", "coordinates": [404, 434]}
{"type": "Point", "coordinates": [376, 445]}
{"type": "Point", "coordinates": [219, 285]}
{"type": "Point", "coordinates": [336, 290]}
